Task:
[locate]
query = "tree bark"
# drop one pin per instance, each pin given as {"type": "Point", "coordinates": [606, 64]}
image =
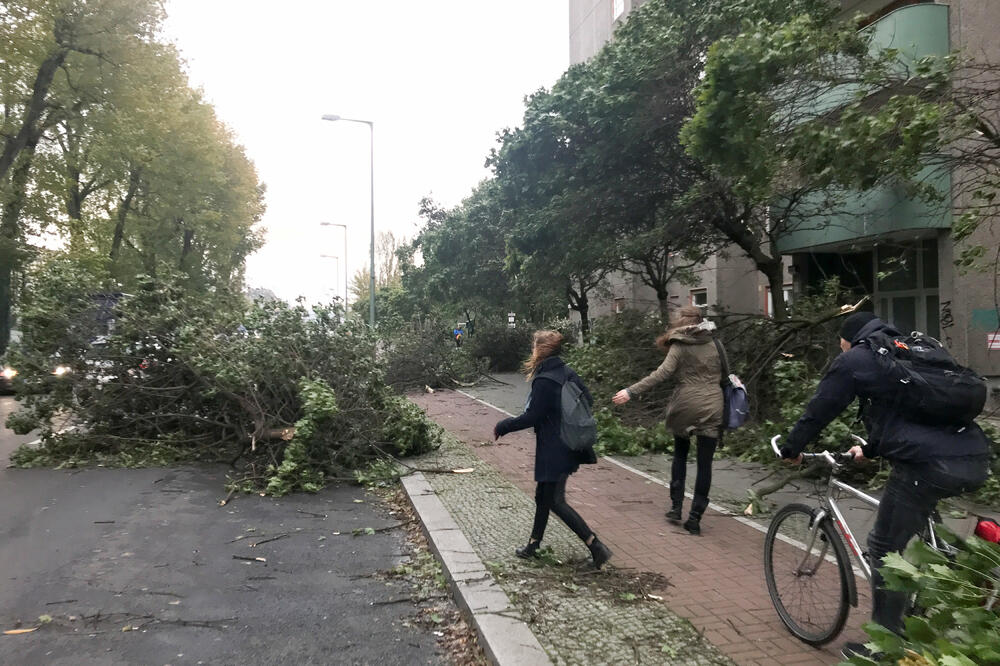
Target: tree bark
{"type": "Point", "coordinates": [123, 209]}
{"type": "Point", "coordinates": [9, 235]}
{"type": "Point", "coordinates": [578, 301]}
{"type": "Point", "coordinates": [186, 249]}
{"type": "Point", "coordinates": [36, 106]}
{"type": "Point", "coordinates": [774, 270]}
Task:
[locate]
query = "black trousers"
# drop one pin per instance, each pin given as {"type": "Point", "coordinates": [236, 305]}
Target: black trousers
{"type": "Point", "coordinates": [551, 496]}
{"type": "Point", "coordinates": [910, 496]}
{"type": "Point", "coordinates": [703, 480]}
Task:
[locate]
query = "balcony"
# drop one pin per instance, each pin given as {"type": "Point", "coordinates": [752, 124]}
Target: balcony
{"type": "Point", "coordinates": [916, 31]}
{"type": "Point", "coordinates": [855, 217]}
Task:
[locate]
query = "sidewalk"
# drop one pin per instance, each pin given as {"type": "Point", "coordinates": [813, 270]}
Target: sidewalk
{"type": "Point", "coordinates": [715, 581]}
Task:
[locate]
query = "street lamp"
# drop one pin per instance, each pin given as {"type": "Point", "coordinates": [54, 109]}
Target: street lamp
{"type": "Point", "coordinates": [371, 127]}
{"type": "Point", "coordinates": [344, 227]}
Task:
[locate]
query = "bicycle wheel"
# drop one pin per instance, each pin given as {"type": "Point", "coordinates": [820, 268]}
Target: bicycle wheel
{"type": "Point", "coordinates": [809, 590]}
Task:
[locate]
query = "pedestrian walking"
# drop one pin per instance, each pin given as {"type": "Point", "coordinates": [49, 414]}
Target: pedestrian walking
{"type": "Point", "coordinates": [554, 460]}
{"type": "Point", "coordinates": [692, 363]}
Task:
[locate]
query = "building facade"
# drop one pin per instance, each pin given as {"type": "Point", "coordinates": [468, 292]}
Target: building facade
{"type": "Point", "coordinates": [900, 251]}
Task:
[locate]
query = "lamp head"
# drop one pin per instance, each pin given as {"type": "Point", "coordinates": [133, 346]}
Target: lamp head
{"type": "Point", "coordinates": [330, 116]}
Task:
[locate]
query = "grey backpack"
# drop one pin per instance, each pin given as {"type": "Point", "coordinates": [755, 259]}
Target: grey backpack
{"type": "Point", "coordinates": [578, 429]}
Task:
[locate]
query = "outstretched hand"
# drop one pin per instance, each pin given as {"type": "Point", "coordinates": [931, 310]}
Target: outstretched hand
{"type": "Point", "coordinates": [621, 397]}
{"type": "Point", "coordinates": [857, 453]}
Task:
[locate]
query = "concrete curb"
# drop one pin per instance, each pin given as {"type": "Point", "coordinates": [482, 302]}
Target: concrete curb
{"type": "Point", "coordinates": [506, 640]}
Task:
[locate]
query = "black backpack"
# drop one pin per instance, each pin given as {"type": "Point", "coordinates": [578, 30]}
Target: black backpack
{"type": "Point", "coordinates": [577, 429]}
{"type": "Point", "coordinates": [927, 384]}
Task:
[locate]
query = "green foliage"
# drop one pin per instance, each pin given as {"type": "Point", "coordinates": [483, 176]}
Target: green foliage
{"type": "Point", "coordinates": [613, 437]}
{"type": "Point", "coordinates": [427, 357]}
{"type": "Point", "coordinates": [954, 627]}
{"type": "Point", "coordinates": [620, 352]}
{"type": "Point", "coordinates": [505, 348]}
{"type": "Point", "coordinates": [298, 395]}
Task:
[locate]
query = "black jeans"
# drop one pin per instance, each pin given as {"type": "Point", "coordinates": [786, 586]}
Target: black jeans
{"type": "Point", "coordinates": [912, 492]}
{"type": "Point", "coordinates": [551, 496]}
{"type": "Point", "coordinates": [702, 482]}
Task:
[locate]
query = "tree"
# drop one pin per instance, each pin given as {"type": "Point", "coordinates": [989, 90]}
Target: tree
{"type": "Point", "coordinates": [114, 151]}
{"type": "Point", "coordinates": [600, 154]}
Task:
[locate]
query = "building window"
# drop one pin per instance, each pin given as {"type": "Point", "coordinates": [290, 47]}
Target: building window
{"type": "Point", "coordinates": [906, 286]}
{"type": "Point", "coordinates": [619, 305]}
{"type": "Point", "coordinates": [769, 302]}
{"type": "Point", "coordinates": [699, 297]}
{"type": "Point", "coordinates": [618, 10]}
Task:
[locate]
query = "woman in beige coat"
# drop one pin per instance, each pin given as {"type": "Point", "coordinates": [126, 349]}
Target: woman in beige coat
{"type": "Point", "coordinates": [692, 364]}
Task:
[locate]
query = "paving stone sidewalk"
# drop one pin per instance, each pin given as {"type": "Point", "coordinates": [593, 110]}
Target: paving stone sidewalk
{"type": "Point", "coordinates": [580, 616]}
{"type": "Point", "coordinates": [715, 581]}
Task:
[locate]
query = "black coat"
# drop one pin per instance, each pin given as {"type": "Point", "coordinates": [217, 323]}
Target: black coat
{"type": "Point", "coordinates": [891, 435]}
{"type": "Point", "coordinates": [543, 412]}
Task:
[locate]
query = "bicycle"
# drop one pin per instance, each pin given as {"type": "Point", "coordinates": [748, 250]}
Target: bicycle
{"type": "Point", "coordinates": [801, 540]}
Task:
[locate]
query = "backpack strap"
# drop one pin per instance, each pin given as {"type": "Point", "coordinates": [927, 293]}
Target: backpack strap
{"type": "Point", "coordinates": [723, 362]}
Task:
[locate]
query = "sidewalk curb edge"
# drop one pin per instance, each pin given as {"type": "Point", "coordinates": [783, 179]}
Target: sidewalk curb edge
{"type": "Point", "coordinates": [506, 640]}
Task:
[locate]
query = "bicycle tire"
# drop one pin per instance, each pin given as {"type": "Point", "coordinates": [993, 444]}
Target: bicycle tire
{"type": "Point", "coordinates": [823, 618]}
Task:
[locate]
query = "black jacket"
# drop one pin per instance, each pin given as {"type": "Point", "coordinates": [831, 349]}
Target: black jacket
{"type": "Point", "coordinates": [891, 435]}
{"type": "Point", "coordinates": [543, 412]}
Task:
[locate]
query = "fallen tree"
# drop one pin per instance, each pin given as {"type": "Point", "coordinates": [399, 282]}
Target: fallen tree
{"type": "Point", "coordinates": [290, 396]}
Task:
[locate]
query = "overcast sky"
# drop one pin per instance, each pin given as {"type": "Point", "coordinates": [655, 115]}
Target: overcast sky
{"type": "Point", "coordinates": [439, 78]}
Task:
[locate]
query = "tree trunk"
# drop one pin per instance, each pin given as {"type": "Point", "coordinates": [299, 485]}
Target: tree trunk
{"type": "Point", "coordinates": [123, 209]}
{"type": "Point", "coordinates": [663, 297]}
{"type": "Point", "coordinates": [186, 249]}
{"type": "Point", "coordinates": [9, 235]}
{"type": "Point", "coordinates": [43, 81]}
{"type": "Point", "coordinates": [578, 301]}
{"type": "Point", "coordinates": [774, 270]}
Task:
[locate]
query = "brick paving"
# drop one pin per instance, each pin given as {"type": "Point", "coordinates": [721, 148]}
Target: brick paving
{"type": "Point", "coordinates": [717, 579]}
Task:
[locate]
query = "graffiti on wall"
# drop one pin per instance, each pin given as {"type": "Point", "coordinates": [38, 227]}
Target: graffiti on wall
{"type": "Point", "coordinates": [947, 321]}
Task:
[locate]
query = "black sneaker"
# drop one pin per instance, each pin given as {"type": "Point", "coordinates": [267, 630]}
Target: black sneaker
{"type": "Point", "coordinates": [599, 552]}
{"type": "Point", "coordinates": [857, 650]}
{"type": "Point", "coordinates": [528, 551]}
{"type": "Point", "coordinates": [674, 515]}
{"type": "Point", "coordinates": [693, 525]}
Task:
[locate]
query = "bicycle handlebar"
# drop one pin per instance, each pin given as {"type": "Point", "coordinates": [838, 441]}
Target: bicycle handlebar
{"type": "Point", "coordinates": [832, 458]}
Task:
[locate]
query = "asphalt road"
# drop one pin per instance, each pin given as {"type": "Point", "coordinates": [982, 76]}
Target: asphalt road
{"type": "Point", "coordinates": [137, 566]}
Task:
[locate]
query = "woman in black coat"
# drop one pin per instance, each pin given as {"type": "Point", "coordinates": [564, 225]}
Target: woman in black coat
{"type": "Point", "coordinates": [554, 461]}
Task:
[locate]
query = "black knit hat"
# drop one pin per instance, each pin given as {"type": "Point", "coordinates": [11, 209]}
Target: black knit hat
{"type": "Point", "coordinates": [854, 323]}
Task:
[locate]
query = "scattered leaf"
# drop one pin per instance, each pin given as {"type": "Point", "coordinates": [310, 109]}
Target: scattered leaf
{"type": "Point", "coordinates": [45, 619]}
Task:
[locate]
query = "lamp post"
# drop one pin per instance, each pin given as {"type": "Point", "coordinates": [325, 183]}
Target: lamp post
{"type": "Point", "coordinates": [344, 227]}
{"type": "Point", "coordinates": [371, 127]}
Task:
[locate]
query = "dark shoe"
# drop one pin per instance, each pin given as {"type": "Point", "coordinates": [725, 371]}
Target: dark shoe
{"type": "Point", "coordinates": [599, 552]}
{"type": "Point", "coordinates": [528, 551]}
{"type": "Point", "coordinates": [674, 515]}
{"type": "Point", "coordinates": [693, 525]}
{"type": "Point", "coordinates": [857, 650]}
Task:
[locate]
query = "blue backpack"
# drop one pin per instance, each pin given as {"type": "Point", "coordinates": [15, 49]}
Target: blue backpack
{"type": "Point", "coordinates": [735, 401]}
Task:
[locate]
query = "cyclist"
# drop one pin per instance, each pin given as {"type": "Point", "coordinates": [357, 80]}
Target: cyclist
{"type": "Point", "coordinates": [929, 462]}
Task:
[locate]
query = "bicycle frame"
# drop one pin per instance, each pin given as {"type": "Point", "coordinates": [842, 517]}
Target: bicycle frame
{"type": "Point", "coordinates": [829, 508]}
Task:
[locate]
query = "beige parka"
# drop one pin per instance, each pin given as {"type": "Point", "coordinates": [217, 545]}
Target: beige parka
{"type": "Point", "coordinates": [692, 363]}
